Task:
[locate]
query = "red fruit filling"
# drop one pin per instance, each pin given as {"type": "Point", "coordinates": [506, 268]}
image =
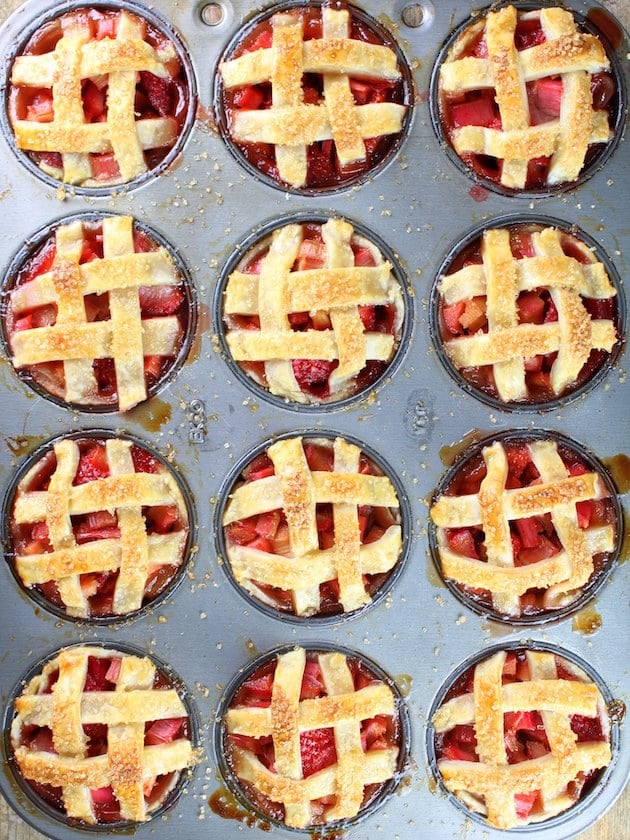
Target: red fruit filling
{"type": "Point", "coordinates": [323, 166]}
{"type": "Point", "coordinates": [533, 538]}
{"type": "Point", "coordinates": [534, 306]}
{"type": "Point", "coordinates": [98, 587]}
{"type": "Point", "coordinates": [155, 96]}
{"type": "Point", "coordinates": [269, 531]}
{"type": "Point", "coordinates": [313, 375]}
{"type": "Point", "coordinates": [524, 732]}
{"type": "Point", "coordinates": [479, 108]}
{"type": "Point", "coordinates": [155, 301]}
{"type": "Point", "coordinates": [317, 746]}
{"type": "Point", "coordinates": [102, 675]}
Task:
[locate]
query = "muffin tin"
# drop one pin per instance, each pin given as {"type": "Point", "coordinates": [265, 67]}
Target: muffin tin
{"type": "Point", "coordinates": [206, 419]}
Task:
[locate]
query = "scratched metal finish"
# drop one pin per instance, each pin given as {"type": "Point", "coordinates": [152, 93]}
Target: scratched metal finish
{"type": "Point", "coordinates": [205, 420]}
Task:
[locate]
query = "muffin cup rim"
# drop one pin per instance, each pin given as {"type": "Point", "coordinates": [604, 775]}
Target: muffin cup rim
{"type": "Point", "coordinates": [6, 541]}
{"type": "Point", "coordinates": [516, 219]}
{"type": "Point", "coordinates": [548, 618]}
{"type": "Point", "coordinates": [403, 764]}
{"type": "Point", "coordinates": [48, 812]}
{"type": "Point", "coordinates": [264, 230]}
{"type": "Point", "coordinates": [288, 617]}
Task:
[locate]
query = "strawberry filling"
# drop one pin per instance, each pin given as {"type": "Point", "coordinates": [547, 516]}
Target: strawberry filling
{"type": "Point", "coordinates": [544, 96]}
{"type": "Point", "coordinates": [323, 166]}
{"type": "Point", "coordinates": [535, 306]}
{"type": "Point", "coordinates": [97, 587]}
{"type": "Point", "coordinates": [155, 301]}
{"type": "Point", "coordinates": [524, 733]}
{"type": "Point", "coordinates": [317, 746]}
{"type": "Point", "coordinates": [269, 532]}
{"type": "Point", "coordinates": [155, 96]}
{"type": "Point", "coordinates": [533, 538]}
{"type": "Point", "coordinates": [102, 675]}
{"type": "Point", "coordinates": [313, 375]}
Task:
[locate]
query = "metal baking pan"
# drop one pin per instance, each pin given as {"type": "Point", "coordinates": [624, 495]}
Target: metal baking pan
{"type": "Point", "coordinates": [206, 419]}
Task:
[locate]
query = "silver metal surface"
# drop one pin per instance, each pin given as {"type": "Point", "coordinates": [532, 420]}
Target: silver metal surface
{"type": "Point", "coordinates": [206, 420]}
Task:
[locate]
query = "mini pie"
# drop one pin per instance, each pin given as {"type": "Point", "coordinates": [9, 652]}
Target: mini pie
{"type": "Point", "coordinates": [98, 526]}
{"type": "Point", "coordinates": [101, 736]}
{"type": "Point", "coordinates": [98, 315]}
{"type": "Point", "coordinates": [313, 313]}
{"type": "Point", "coordinates": [527, 314]}
{"type": "Point", "coordinates": [526, 98]}
{"type": "Point", "coordinates": [521, 736]}
{"type": "Point", "coordinates": [313, 737]}
{"type": "Point", "coordinates": [314, 96]}
{"type": "Point", "coordinates": [525, 526]}
{"type": "Point", "coordinates": [98, 97]}
{"type": "Point", "coordinates": [313, 527]}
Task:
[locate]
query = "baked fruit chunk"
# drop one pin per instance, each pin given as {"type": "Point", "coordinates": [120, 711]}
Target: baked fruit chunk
{"type": "Point", "coordinates": [521, 736]}
{"type": "Point", "coordinates": [528, 315]}
{"type": "Point", "coordinates": [312, 527]}
{"type": "Point", "coordinates": [98, 315]}
{"type": "Point", "coordinates": [313, 96]}
{"type": "Point", "coordinates": [99, 97]}
{"type": "Point", "coordinates": [527, 99]}
{"type": "Point", "coordinates": [525, 527]}
{"type": "Point", "coordinates": [98, 526]}
{"type": "Point", "coordinates": [313, 313]}
{"type": "Point", "coordinates": [102, 736]}
{"type": "Point", "coordinates": [313, 737]}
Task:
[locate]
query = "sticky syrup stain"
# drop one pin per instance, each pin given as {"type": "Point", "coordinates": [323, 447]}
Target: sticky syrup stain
{"type": "Point", "coordinates": [619, 468]}
{"type": "Point", "coordinates": [224, 804]}
{"type": "Point", "coordinates": [151, 415]}
{"type": "Point", "coordinates": [449, 454]}
{"type": "Point", "coordinates": [204, 323]}
{"type": "Point", "coordinates": [205, 118]}
{"type": "Point", "coordinates": [616, 711]}
{"type": "Point", "coordinates": [433, 576]}
{"type": "Point", "coordinates": [22, 444]}
{"type": "Point", "coordinates": [588, 621]}
{"type": "Point", "coordinates": [404, 682]}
